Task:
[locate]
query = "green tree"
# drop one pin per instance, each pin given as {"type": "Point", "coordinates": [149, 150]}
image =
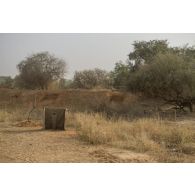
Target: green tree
{"type": "Point", "coordinates": [38, 70]}
{"type": "Point", "coordinates": [144, 51]}
{"type": "Point", "coordinates": [169, 76]}
{"type": "Point", "coordinates": [188, 52]}
{"type": "Point", "coordinates": [120, 75]}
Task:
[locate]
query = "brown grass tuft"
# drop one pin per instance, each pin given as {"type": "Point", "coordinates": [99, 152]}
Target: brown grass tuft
{"type": "Point", "coordinates": [13, 115]}
{"type": "Point", "coordinates": [166, 141]}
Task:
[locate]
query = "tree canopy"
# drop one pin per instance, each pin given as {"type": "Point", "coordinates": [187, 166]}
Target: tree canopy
{"type": "Point", "coordinates": [144, 51]}
{"type": "Point", "coordinates": [158, 70]}
{"type": "Point", "coordinates": [168, 76]}
{"type": "Point", "coordinates": [120, 75]}
{"type": "Point", "coordinates": [39, 69]}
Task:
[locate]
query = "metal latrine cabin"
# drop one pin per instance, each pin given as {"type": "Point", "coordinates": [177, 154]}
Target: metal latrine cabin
{"type": "Point", "coordinates": [54, 118]}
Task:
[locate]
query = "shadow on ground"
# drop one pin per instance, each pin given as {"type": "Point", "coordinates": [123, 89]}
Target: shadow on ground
{"type": "Point", "coordinates": [29, 131]}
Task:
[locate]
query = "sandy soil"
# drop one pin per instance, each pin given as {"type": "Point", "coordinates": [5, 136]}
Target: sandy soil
{"type": "Point", "coordinates": [34, 144]}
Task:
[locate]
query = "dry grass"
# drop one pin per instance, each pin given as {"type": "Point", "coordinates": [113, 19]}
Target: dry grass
{"type": "Point", "coordinates": [10, 116]}
{"type": "Point", "coordinates": [168, 142]}
{"type": "Point", "coordinates": [14, 115]}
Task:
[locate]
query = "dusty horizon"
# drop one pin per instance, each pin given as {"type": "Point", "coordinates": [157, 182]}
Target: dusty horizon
{"type": "Point", "coordinates": [80, 51]}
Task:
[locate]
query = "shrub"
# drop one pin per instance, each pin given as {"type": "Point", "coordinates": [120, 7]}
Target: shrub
{"type": "Point", "coordinates": [88, 79]}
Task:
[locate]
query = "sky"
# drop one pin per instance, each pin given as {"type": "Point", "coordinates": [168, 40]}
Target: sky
{"type": "Point", "coordinates": [80, 51]}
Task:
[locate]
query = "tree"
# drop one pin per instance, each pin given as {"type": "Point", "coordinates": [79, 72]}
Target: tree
{"type": "Point", "coordinates": [188, 52]}
{"type": "Point", "coordinates": [38, 70]}
{"type": "Point", "coordinates": [65, 83]}
{"type": "Point", "coordinates": [145, 51]}
{"type": "Point", "coordinates": [158, 70]}
{"type": "Point", "coordinates": [169, 76]}
{"type": "Point", "coordinates": [120, 75]}
{"type": "Point", "coordinates": [6, 81]}
{"type": "Point", "coordinates": [89, 79]}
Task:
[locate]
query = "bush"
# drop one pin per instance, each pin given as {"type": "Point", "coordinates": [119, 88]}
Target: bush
{"type": "Point", "coordinates": [168, 76]}
{"type": "Point", "coordinates": [88, 79]}
{"type": "Point", "coordinates": [6, 81]}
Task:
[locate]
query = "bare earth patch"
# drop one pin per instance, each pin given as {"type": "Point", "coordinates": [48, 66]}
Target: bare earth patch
{"type": "Point", "coordinates": [114, 155]}
{"type": "Point", "coordinates": [24, 143]}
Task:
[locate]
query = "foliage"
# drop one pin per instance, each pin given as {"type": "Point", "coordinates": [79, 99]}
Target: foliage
{"type": "Point", "coordinates": [65, 83]}
{"type": "Point", "coordinates": [6, 81]}
{"type": "Point", "coordinates": [88, 79]}
{"type": "Point", "coordinates": [38, 70]}
{"type": "Point", "coordinates": [159, 70]}
{"type": "Point", "coordinates": [120, 75]}
{"type": "Point", "coordinates": [168, 76]}
{"type": "Point", "coordinates": [145, 51]}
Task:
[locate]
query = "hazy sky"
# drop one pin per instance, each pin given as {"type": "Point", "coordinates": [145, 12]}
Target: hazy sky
{"type": "Point", "coordinates": [80, 51]}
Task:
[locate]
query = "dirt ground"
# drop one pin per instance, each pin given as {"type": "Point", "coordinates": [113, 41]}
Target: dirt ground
{"type": "Point", "coordinates": [34, 144]}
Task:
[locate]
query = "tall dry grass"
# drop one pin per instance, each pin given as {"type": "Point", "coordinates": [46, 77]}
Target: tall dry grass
{"type": "Point", "coordinates": [166, 141]}
{"type": "Point", "coordinates": [13, 115]}
{"type": "Point", "coordinates": [10, 116]}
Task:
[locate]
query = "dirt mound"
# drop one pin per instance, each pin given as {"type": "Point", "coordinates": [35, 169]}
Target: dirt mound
{"type": "Point", "coordinates": [71, 133]}
{"type": "Point", "coordinates": [73, 99]}
{"type": "Point", "coordinates": [27, 123]}
{"type": "Point", "coordinates": [104, 156]}
{"type": "Point", "coordinates": [113, 155]}
{"type": "Point", "coordinates": [111, 102]}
